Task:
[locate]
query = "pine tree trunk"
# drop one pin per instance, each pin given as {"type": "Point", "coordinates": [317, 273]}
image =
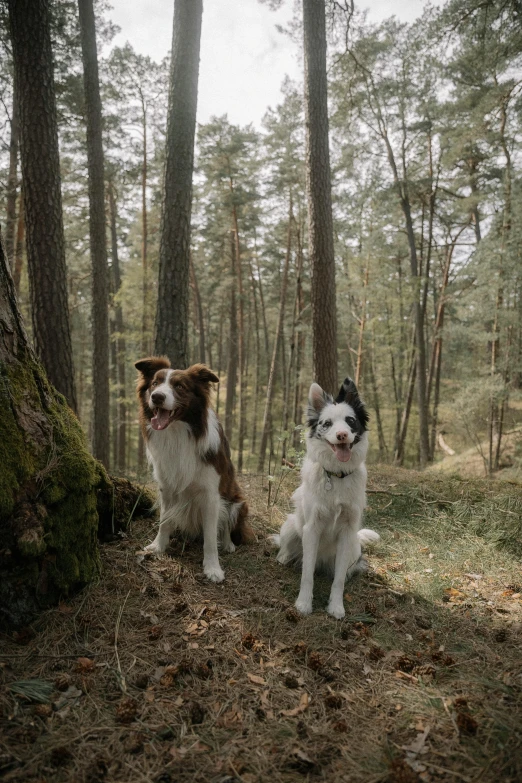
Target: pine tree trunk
{"type": "Point", "coordinates": [241, 336]}
{"type": "Point", "coordinates": [48, 481]}
{"type": "Point", "coordinates": [232, 365]}
{"type": "Point", "coordinates": [12, 180]}
{"type": "Point", "coordinates": [199, 314]}
{"type": "Point", "coordinates": [277, 338]}
{"type": "Point", "coordinates": [319, 192]}
{"type": "Point", "coordinates": [146, 326]}
{"type": "Point", "coordinates": [33, 63]}
{"type": "Point", "coordinates": [100, 277]}
{"type": "Point", "coordinates": [173, 282]}
{"type": "Point", "coordinates": [121, 347]}
{"type": "Point", "coordinates": [298, 392]}
{"type": "Point", "coordinates": [20, 243]}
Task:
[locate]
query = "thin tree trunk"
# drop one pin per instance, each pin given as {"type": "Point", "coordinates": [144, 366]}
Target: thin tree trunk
{"type": "Point", "coordinates": [253, 441]}
{"type": "Point", "coordinates": [298, 393]}
{"type": "Point", "coordinates": [319, 192]}
{"type": "Point", "coordinates": [12, 180]}
{"type": "Point", "coordinates": [100, 277]}
{"type": "Point", "coordinates": [33, 63]}
{"type": "Point", "coordinates": [362, 324]}
{"type": "Point", "coordinates": [121, 346]}
{"type": "Point", "coordinates": [271, 377]}
{"type": "Point", "coordinates": [20, 243]}
{"type": "Point", "coordinates": [220, 355]}
{"type": "Point", "coordinates": [232, 365]}
{"type": "Point", "coordinates": [399, 452]}
{"type": "Point", "coordinates": [146, 325]}
{"type": "Point", "coordinates": [241, 333]}
{"type": "Point", "coordinates": [199, 314]}
{"type": "Point", "coordinates": [174, 257]}
{"type": "Point", "coordinates": [383, 449]}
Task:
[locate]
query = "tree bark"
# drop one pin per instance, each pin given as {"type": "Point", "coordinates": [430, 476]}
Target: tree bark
{"type": "Point", "coordinates": [174, 259]}
{"type": "Point", "coordinates": [271, 377]}
{"type": "Point", "coordinates": [100, 278]}
{"type": "Point", "coordinates": [199, 314]}
{"type": "Point", "coordinates": [232, 364]}
{"type": "Point", "coordinates": [33, 63]}
{"type": "Point", "coordinates": [319, 193]}
{"type": "Point", "coordinates": [241, 335]}
{"type": "Point", "coordinates": [121, 347]}
{"type": "Point", "coordinates": [20, 243]}
{"type": "Point", "coordinates": [146, 326]}
{"type": "Point", "coordinates": [12, 180]}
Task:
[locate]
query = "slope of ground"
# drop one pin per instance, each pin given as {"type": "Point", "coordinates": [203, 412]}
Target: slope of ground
{"type": "Point", "coordinates": [152, 674]}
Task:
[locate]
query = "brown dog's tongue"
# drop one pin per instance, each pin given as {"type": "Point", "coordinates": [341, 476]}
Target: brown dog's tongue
{"type": "Point", "coordinates": [160, 420]}
{"type": "Point", "coordinates": [342, 452]}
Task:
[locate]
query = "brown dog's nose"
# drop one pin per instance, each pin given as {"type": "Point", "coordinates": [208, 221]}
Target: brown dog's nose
{"type": "Point", "coordinates": [342, 436]}
{"type": "Point", "coordinates": [157, 398]}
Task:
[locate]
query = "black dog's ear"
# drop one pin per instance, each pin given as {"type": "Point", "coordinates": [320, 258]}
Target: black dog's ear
{"type": "Point", "coordinates": [348, 393]}
{"type": "Point", "coordinates": [150, 366]}
{"type": "Point", "coordinates": [317, 399]}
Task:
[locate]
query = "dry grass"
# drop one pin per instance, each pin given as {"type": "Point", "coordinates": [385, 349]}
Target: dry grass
{"type": "Point", "coordinates": [160, 676]}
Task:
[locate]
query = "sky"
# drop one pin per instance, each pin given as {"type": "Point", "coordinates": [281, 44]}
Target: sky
{"type": "Point", "coordinates": [244, 58]}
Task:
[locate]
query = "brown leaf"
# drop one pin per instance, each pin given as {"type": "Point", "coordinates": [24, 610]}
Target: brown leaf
{"type": "Point", "coordinates": [256, 679]}
{"type": "Point", "coordinates": [302, 706]}
{"type": "Point", "coordinates": [84, 665]}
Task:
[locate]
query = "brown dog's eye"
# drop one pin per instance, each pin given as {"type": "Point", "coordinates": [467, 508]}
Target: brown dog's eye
{"type": "Point", "coordinates": [154, 383]}
{"type": "Point", "coordinates": [178, 386]}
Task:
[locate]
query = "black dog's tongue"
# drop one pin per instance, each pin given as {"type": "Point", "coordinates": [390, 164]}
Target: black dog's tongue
{"type": "Point", "coordinates": [161, 419]}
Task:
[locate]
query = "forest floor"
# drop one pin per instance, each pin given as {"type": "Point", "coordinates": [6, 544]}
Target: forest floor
{"type": "Point", "coordinates": [153, 674]}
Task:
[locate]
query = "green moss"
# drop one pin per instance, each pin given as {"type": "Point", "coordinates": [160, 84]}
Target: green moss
{"type": "Point", "coordinates": [45, 462]}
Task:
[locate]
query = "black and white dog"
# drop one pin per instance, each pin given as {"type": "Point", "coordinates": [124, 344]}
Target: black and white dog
{"type": "Point", "coordinates": [324, 530]}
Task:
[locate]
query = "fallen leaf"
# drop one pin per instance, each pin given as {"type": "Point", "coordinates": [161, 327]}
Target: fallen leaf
{"type": "Point", "coordinates": [453, 593]}
{"type": "Point", "coordinates": [302, 706]}
{"type": "Point", "coordinates": [417, 745]}
{"type": "Point", "coordinates": [256, 679]}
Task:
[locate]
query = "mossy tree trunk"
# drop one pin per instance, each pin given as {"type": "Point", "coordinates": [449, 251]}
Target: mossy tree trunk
{"type": "Point", "coordinates": [53, 495]}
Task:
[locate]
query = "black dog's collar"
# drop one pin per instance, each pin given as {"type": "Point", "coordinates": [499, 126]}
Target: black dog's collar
{"type": "Point", "coordinates": [330, 474]}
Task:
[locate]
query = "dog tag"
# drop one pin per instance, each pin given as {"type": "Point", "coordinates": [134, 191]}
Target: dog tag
{"type": "Point", "coordinates": [328, 484]}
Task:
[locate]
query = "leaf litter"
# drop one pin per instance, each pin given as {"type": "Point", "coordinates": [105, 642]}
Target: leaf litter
{"type": "Point", "coordinates": [421, 682]}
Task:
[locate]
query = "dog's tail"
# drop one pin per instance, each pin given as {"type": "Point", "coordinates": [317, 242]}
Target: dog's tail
{"type": "Point", "coordinates": [275, 540]}
{"type": "Point", "coordinates": [367, 536]}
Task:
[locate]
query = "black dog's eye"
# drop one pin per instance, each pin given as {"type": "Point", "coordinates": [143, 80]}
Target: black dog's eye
{"type": "Point", "coordinates": [350, 421]}
{"type": "Point", "coordinates": [327, 423]}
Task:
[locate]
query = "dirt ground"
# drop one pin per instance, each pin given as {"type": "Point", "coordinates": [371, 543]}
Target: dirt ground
{"type": "Point", "coordinates": [153, 674]}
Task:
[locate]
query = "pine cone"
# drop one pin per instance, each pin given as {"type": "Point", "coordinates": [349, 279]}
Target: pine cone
{"type": "Point", "coordinates": [127, 710]}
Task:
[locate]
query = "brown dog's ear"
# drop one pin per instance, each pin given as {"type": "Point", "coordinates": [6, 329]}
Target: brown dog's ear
{"type": "Point", "coordinates": [202, 373]}
{"type": "Point", "coordinates": [150, 366]}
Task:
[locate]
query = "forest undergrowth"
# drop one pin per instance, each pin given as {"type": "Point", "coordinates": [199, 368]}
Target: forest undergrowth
{"type": "Point", "coordinates": [153, 674]}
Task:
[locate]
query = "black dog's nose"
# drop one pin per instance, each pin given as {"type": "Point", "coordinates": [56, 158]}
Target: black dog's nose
{"type": "Point", "coordinates": [342, 436]}
{"type": "Point", "coordinates": [157, 398]}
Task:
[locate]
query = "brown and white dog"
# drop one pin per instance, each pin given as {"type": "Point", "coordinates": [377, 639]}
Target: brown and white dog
{"type": "Point", "coordinates": [190, 457]}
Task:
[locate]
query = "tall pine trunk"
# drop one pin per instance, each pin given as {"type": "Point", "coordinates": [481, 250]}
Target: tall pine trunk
{"type": "Point", "coordinates": [319, 193]}
{"type": "Point", "coordinates": [267, 418]}
{"type": "Point", "coordinates": [174, 259]}
{"type": "Point", "coordinates": [100, 277]}
{"type": "Point", "coordinates": [33, 62]}
{"type": "Point", "coordinates": [121, 348]}
{"type": "Point", "coordinates": [12, 180]}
